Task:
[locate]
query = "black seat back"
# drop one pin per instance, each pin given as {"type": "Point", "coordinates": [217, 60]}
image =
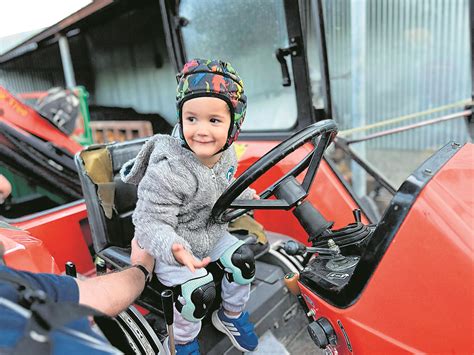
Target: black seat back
{"type": "Point", "coordinates": [118, 230]}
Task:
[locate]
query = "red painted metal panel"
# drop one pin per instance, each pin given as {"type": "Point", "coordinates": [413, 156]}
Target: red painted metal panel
{"type": "Point", "coordinates": [63, 236]}
{"type": "Point", "coordinates": [25, 252]}
{"type": "Point", "coordinates": [420, 298]}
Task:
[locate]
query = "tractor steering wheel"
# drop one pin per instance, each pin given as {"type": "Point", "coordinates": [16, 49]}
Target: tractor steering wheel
{"type": "Point", "coordinates": [228, 208]}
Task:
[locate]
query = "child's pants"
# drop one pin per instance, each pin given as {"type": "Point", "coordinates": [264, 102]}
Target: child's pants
{"type": "Point", "coordinates": [234, 296]}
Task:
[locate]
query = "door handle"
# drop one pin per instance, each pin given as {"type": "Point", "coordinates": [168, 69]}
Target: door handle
{"type": "Point", "coordinates": [280, 54]}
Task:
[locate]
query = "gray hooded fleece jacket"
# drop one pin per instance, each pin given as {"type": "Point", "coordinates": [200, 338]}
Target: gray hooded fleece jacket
{"type": "Point", "coordinates": [176, 193]}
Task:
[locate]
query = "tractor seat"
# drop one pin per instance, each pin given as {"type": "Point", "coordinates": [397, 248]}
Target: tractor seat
{"type": "Point", "coordinates": [110, 204]}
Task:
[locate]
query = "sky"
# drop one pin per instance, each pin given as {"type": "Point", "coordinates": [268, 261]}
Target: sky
{"type": "Point", "coordinates": [27, 15]}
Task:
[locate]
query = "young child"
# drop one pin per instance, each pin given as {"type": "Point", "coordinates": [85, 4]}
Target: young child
{"type": "Point", "coordinates": [179, 180]}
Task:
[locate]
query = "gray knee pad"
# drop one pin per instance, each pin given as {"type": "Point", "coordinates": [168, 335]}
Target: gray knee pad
{"type": "Point", "coordinates": [238, 262]}
{"type": "Point", "coordinates": [198, 293]}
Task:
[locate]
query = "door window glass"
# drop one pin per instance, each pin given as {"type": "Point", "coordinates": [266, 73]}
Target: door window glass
{"type": "Point", "coordinates": [246, 33]}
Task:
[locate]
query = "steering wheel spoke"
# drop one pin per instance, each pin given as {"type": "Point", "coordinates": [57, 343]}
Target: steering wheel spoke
{"type": "Point", "coordinates": [262, 204]}
{"type": "Point", "coordinates": [316, 156]}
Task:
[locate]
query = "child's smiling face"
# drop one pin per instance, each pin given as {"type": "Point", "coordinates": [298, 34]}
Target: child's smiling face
{"type": "Point", "coordinates": [206, 122]}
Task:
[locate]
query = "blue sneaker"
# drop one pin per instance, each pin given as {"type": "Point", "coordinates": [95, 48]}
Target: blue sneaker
{"type": "Point", "coordinates": [191, 348]}
{"type": "Point", "coordinates": [239, 330]}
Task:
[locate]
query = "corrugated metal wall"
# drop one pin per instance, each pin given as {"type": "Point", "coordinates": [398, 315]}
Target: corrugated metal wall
{"type": "Point", "coordinates": [122, 63]}
{"type": "Point", "coordinates": [36, 71]}
{"type": "Point", "coordinates": [42, 69]}
{"type": "Point", "coordinates": [131, 65]}
{"type": "Point", "coordinates": [417, 59]}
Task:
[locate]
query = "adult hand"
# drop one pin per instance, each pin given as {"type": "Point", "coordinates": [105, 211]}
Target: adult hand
{"type": "Point", "coordinates": [187, 259]}
{"type": "Point", "coordinates": [140, 256]}
{"type": "Point", "coordinates": [107, 292]}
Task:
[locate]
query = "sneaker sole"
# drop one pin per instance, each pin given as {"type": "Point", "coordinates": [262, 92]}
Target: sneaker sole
{"type": "Point", "coordinates": [222, 328]}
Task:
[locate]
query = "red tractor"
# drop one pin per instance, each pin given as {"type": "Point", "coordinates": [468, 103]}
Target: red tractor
{"type": "Point", "coordinates": [327, 265]}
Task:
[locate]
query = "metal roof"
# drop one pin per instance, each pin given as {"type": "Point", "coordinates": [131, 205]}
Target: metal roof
{"type": "Point", "coordinates": [67, 26]}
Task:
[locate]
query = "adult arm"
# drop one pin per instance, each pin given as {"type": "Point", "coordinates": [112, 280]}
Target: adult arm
{"type": "Point", "coordinates": [113, 292]}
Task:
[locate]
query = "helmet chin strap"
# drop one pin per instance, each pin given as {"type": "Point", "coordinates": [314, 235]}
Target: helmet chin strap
{"type": "Point", "coordinates": [221, 150]}
{"type": "Point", "coordinates": [229, 135]}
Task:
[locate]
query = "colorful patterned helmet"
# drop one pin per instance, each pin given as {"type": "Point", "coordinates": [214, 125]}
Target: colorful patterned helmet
{"type": "Point", "coordinates": [202, 77]}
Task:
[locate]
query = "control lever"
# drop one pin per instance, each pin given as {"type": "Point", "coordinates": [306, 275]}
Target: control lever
{"type": "Point", "coordinates": [294, 248]}
{"type": "Point", "coordinates": [71, 269]}
{"type": "Point", "coordinates": [167, 303]}
{"type": "Point", "coordinates": [291, 282]}
{"type": "Point", "coordinates": [357, 215]}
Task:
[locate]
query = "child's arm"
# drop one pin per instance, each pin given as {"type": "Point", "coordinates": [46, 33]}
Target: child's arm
{"type": "Point", "coordinates": [160, 195]}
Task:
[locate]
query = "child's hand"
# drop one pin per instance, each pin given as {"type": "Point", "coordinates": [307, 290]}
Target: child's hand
{"type": "Point", "coordinates": [187, 259]}
{"type": "Point", "coordinates": [256, 196]}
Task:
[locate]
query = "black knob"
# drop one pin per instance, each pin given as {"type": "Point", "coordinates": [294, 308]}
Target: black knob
{"type": "Point", "coordinates": [322, 333]}
{"type": "Point", "coordinates": [329, 330]}
{"type": "Point", "coordinates": [293, 248]}
{"type": "Point", "coordinates": [316, 332]}
{"type": "Point", "coordinates": [71, 269]}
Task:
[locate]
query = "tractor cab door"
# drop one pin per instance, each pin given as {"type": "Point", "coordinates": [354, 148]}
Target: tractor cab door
{"type": "Point", "coordinates": [263, 40]}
